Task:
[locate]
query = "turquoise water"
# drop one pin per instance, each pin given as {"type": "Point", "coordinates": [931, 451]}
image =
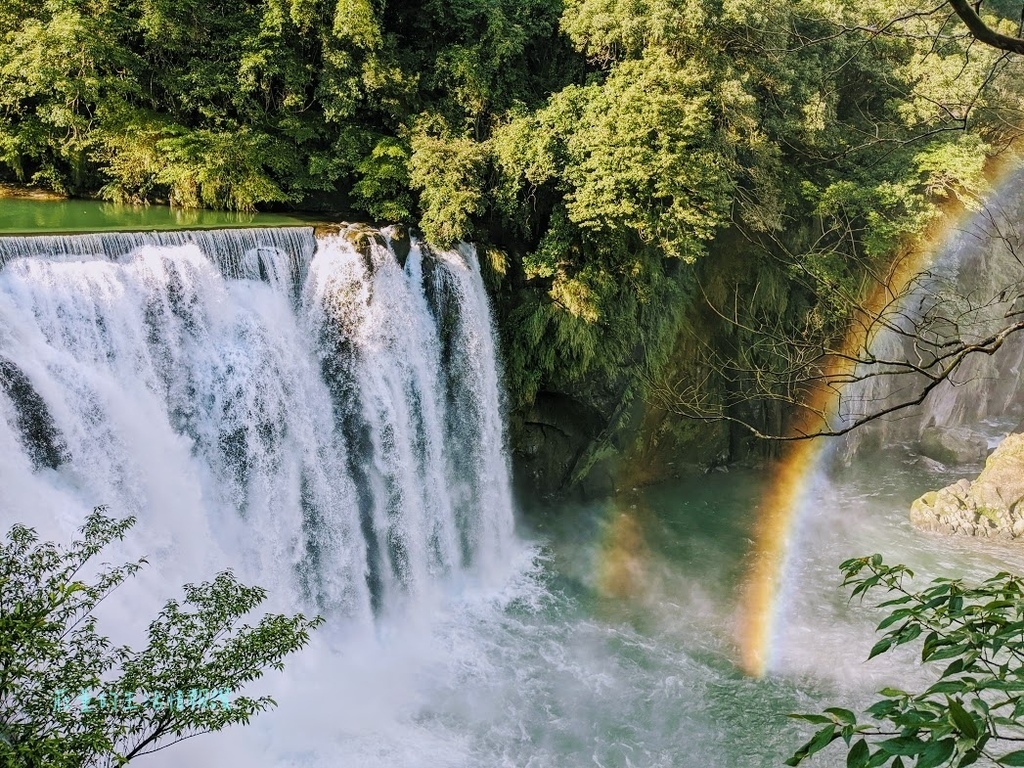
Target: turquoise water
{"type": "Point", "coordinates": [634, 663]}
{"type": "Point", "coordinates": [27, 216]}
{"type": "Point", "coordinates": [578, 663]}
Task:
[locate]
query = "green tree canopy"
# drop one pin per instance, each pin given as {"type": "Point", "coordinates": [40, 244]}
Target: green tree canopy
{"type": "Point", "coordinates": [604, 147]}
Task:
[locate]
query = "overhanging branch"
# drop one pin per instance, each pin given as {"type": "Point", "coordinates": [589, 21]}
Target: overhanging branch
{"type": "Point", "coordinates": [984, 33]}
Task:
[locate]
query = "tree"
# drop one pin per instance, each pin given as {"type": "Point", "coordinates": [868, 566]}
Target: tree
{"type": "Point", "coordinates": [608, 148]}
{"type": "Point", "coordinates": [877, 182]}
{"type": "Point", "coordinates": [907, 331]}
{"type": "Point", "coordinates": [983, 32]}
{"type": "Point", "coordinates": [71, 699]}
{"type": "Point", "coordinates": [973, 638]}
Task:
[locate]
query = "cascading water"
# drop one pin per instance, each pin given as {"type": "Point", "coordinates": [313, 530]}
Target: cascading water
{"type": "Point", "coordinates": [324, 418]}
{"type": "Point", "coordinates": [316, 416]}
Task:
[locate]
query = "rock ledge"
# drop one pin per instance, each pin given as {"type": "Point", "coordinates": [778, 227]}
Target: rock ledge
{"type": "Point", "coordinates": [991, 506]}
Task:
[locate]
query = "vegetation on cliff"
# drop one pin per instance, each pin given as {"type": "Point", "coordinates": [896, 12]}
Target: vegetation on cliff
{"type": "Point", "coordinates": [604, 148]}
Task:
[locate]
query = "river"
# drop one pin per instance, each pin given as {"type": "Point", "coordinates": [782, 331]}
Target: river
{"type": "Point", "coordinates": [21, 215]}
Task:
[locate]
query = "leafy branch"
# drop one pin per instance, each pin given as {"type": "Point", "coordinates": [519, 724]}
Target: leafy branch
{"type": "Point", "coordinates": [51, 651]}
{"type": "Point", "coordinates": [975, 707]}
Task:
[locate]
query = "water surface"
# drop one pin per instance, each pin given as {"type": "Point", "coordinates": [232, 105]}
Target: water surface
{"type": "Point", "coordinates": [330, 428]}
{"type": "Point", "coordinates": [31, 216]}
{"type": "Point", "coordinates": [613, 643]}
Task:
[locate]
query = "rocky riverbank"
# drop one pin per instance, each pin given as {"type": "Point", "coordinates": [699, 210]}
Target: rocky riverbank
{"type": "Point", "coordinates": [990, 506]}
{"type": "Point", "coordinates": [17, 191]}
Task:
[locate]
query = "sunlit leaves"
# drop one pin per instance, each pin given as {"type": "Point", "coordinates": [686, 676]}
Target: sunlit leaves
{"type": "Point", "coordinates": [644, 155]}
{"type": "Point", "coordinates": [619, 29]}
{"type": "Point", "coordinates": [354, 20]}
{"type": "Point", "coordinates": [449, 172]}
{"type": "Point", "coordinates": [955, 169]}
{"type": "Point", "coordinates": [221, 170]}
{"type": "Point", "coordinates": [384, 183]}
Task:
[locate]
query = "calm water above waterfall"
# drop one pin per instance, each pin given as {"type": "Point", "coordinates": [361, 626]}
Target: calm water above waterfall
{"type": "Point", "coordinates": [326, 421]}
{"type": "Point", "coordinates": [25, 215]}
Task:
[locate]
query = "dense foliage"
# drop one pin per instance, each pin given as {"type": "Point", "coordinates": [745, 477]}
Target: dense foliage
{"type": "Point", "coordinates": [71, 699]}
{"type": "Point", "coordinates": [601, 145]}
{"type": "Point", "coordinates": [971, 637]}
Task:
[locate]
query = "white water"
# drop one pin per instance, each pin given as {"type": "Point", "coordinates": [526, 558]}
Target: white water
{"type": "Point", "coordinates": [327, 423]}
{"type": "Point", "coordinates": [324, 422]}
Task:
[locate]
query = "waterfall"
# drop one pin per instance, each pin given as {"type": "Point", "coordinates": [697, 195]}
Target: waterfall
{"type": "Point", "coordinates": [312, 411]}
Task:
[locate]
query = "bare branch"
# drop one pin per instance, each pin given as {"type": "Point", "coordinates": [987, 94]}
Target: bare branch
{"type": "Point", "coordinates": [832, 376]}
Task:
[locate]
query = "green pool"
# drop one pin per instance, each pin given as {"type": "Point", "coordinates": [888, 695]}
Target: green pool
{"type": "Point", "coordinates": [38, 216]}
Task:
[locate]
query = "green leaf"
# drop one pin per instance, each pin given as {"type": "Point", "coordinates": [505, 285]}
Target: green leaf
{"type": "Point", "coordinates": [1014, 758]}
{"type": "Point", "coordinates": [947, 686]}
{"type": "Point", "coordinates": [843, 715]}
{"type": "Point", "coordinates": [937, 753]}
{"type": "Point", "coordinates": [858, 755]}
{"type": "Point", "coordinates": [882, 708]}
{"type": "Point", "coordinates": [954, 668]}
{"type": "Point", "coordinates": [893, 618]}
{"type": "Point", "coordinates": [1018, 707]}
{"type": "Point", "coordinates": [962, 720]}
{"type": "Point", "coordinates": [894, 693]}
{"type": "Point", "coordinates": [880, 647]}
{"type": "Point", "coordinates": [969, 758]}
{"type": "Point", "coordinates": [822, 739]}
{"type": "Point", "coordinates": [904, 745]}
{"type": "Point", "coordinates": [948, 653]}
{"type": "Point", "coordinates": [819, 741]}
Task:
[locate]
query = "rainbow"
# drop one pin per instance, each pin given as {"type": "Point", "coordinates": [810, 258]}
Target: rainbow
{"type": "Point", "coordinates": [762, 587]}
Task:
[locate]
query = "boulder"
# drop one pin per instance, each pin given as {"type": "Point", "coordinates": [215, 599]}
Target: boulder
{"type": "Point", "coordinates": [362, 238]}
{"type": "Point", "coordinates": [400, 240]}
{"type": "Point", "coordinates": [953, 446]}
{"type": "Point", "coordinates": [992, 505]}
{"type": "Point", "coordinates": [930, 464]}
{"type": "Point", "coordinates": [1001, 484]}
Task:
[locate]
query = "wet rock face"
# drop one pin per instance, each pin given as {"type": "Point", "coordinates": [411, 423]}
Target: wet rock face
{"type": "Point", "coordinates": [39, 433]}
{"type": "Point", "coordinates": [553, 437]}
{"type": "Point", "coordinates": [991, 506]}
{"type": "Point", "coordinates": [953, 446]}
